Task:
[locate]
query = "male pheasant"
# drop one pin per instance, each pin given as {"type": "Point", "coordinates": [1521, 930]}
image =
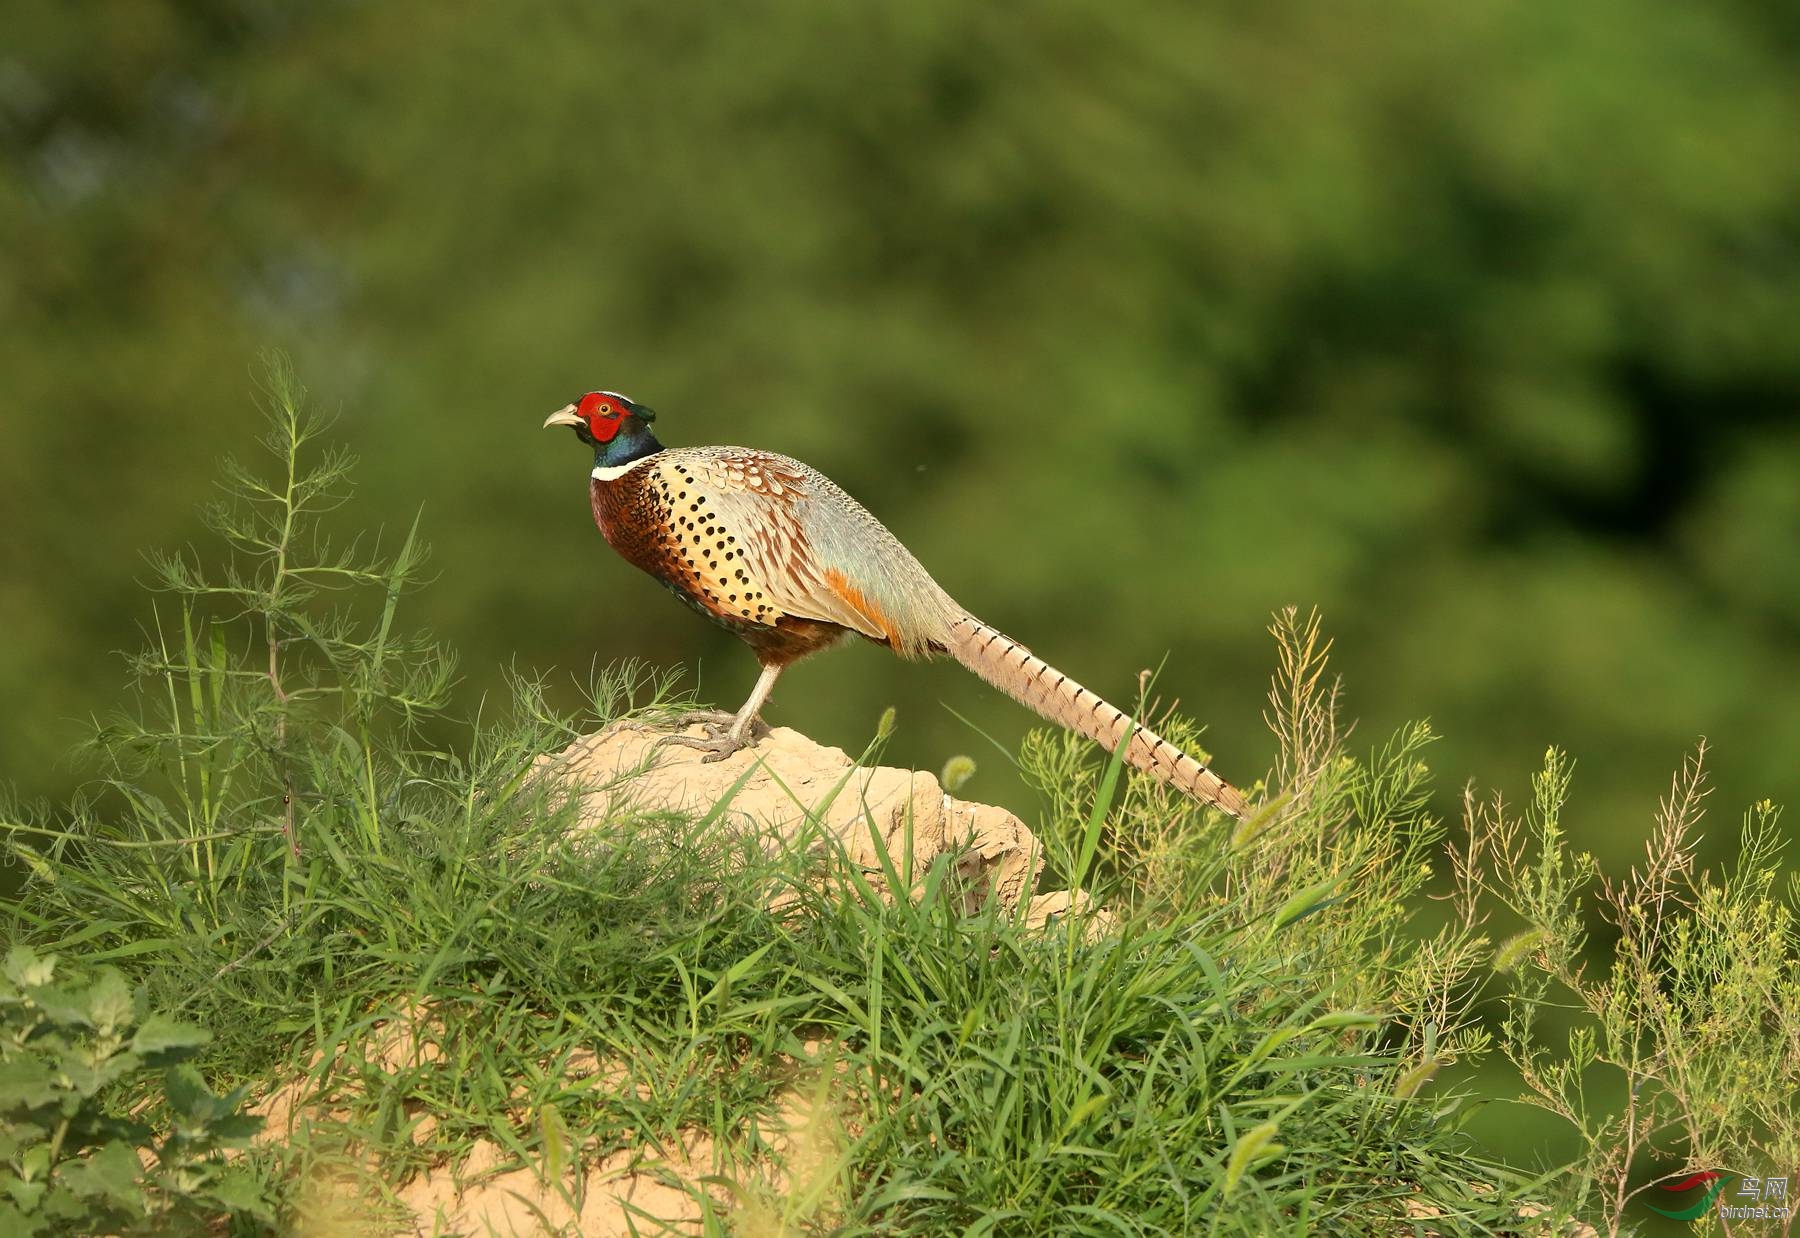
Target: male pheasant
{"type": "Point", "coordinates": [779, 554]}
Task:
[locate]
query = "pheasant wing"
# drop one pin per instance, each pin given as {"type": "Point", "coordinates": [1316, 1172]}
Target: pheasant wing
{"type": "Point", "coordinates": [807, 548]}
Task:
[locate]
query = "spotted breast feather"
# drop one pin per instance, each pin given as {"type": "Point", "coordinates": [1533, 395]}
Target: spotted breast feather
{"type": "Point", "coordinates": [664, 516]}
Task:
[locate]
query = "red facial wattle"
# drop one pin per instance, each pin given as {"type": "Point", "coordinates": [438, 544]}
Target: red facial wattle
{"type": "Point", "coordinates": [603, 413]}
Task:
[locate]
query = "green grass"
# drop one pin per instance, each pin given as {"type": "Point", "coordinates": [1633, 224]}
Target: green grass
{"type": "Point", "coordinates": [986, 1075]}
{"type": "Point", "coordinates": [292, 844]}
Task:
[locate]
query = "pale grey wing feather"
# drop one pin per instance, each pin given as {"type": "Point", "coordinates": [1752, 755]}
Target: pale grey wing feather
{"type": "Point", "coordinates": [847, 538]}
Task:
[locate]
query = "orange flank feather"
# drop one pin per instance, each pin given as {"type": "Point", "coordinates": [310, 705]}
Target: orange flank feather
{"type": "Point", "coordinates": [859, 602]}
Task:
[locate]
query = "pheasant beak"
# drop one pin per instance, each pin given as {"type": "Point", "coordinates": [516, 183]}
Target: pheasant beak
{"type": "Point", "coordinates": [564, 416]}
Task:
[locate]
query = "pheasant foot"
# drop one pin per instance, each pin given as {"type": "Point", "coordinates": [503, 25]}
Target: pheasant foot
{"type": "Point", "coordinates": [723, 737]}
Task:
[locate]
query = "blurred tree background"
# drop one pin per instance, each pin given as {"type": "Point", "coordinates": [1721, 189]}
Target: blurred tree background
{"type": "Point", "coordinates": [1476, 325]}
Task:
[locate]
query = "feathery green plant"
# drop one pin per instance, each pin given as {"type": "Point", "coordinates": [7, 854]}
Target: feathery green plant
{"type": "Point", "coordinates": [276, 695]}
{"type": "Point", "coordinates": [270, 805]}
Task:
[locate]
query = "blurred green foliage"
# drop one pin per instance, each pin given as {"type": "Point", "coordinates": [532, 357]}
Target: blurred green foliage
{"type": "Point", "coordinates": [1473, 324]}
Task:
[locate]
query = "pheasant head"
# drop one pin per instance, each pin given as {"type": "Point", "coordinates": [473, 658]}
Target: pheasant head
{"type": "Point", "coordinates": [616, 428]}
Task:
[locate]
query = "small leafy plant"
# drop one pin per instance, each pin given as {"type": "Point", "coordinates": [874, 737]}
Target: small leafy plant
{"type": "Point", "coordinates": [71, 1164]}
{"type": "Point", "coordinates": [1682, 1048]}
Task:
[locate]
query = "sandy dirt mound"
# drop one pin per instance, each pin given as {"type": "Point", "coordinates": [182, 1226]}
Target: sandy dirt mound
{"type": "Point", "coordinates": [791, 787]}
{"type": "Point", "coordinates": [617, 1195]}
{"type": "Point", "coordinates": [790, 781]}
{"type": "Point", "coordinates": [649, 1186]}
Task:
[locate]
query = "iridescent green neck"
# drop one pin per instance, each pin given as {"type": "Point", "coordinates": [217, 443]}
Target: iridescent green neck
{"type": "Point", "coordinates": [633, 442]}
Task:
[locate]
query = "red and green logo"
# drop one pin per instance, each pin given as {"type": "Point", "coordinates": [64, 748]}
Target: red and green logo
{"type": "Point", "coordinates": [1701, 1188]}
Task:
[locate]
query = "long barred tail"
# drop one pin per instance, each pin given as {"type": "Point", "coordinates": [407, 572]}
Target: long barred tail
{"type": "Point", "coordinates": [1037, 685]}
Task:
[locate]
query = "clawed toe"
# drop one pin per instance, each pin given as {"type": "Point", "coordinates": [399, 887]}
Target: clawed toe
{"type": "Point", "coordinates": [717, 745]}
{"type": "Point", "coordinates": [716, 721]}
{"type": "Point", "coordinates": [722, 736]}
